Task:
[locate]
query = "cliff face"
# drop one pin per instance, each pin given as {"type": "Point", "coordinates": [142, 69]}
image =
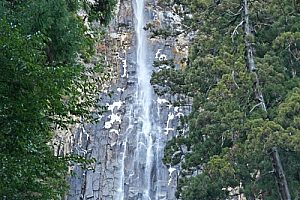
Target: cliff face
{"type": "Point", "coordinates": [123, 167]}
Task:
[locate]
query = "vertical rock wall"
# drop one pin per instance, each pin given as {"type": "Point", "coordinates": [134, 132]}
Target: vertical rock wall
{"type": "Point", "coordinates": [111, 142]}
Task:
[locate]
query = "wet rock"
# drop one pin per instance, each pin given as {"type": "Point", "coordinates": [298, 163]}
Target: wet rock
{"type": "Point", "coordinates": [112, 142]}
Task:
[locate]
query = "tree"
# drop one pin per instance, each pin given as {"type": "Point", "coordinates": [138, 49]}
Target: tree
{"type": "Point", "coordinates": [42, 86]}
{"type": "Point", "coordinates": [236, 66]}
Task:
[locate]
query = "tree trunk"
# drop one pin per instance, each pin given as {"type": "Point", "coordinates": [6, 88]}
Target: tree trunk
{"type": "Point", "coordinates": [279, 175]}
{"type": "Point", "coordinates": [249, 49]}
{"type": "Point", "coordinates": [250, 56]}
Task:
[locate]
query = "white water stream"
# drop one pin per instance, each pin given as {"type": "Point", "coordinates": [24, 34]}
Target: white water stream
{"type": "Point", "coordinates": [143, 173]}
{"type": "Point", "coordinates": [144, 99]}
{"type": "Point", "coordinates": [129, 140]}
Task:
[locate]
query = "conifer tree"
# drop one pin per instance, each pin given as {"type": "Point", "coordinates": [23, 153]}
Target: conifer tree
{"type": "Point", "coordinates": [240, 78]}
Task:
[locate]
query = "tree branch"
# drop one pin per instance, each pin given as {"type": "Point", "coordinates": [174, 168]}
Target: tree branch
{"type": "Point", "coordinates": [235, 32]}
{"type": "Point", "coordinates": [233, 78]}
{"type": "Point", "coordinates": [255, 106]}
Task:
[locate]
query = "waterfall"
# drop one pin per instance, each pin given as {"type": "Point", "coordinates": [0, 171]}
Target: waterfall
{"type": "Point", "coordinates": [144, 171]}
{"type": "Point", "coordinates": [129, 140]}
{"type": "Point", "coordinates": [144, 99]}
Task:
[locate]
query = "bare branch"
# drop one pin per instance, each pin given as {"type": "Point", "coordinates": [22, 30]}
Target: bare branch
{"type": "Point", "coordinates": [233, 78]}
{"type": "Point", "coordinates": [235, 32]}
{"type": "Point", "coordinates": [235, 14]}
{"type": "Point", "coordinates": [255, 106]}
{"type": "Point", "coordinates": [291, 52]}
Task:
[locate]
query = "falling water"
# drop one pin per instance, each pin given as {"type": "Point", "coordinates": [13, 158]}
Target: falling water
{"type": "Point", "coordinates": [141, 173]}
{"type": "Point", "coordinates": [144, 98]}
{"type": "Point", "coordinates": [129, 140]}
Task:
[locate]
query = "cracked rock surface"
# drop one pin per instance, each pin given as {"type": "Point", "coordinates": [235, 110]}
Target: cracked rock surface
{"type": "Point", "coordinates": [112, 141]}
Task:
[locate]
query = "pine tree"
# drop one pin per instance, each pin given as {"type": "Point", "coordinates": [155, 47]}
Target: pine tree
{"type": "Point", "coordinates": [242, 67]}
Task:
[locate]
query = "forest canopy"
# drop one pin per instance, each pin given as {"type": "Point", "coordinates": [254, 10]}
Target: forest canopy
{"type": "Point", "coordinates": [243, 74]}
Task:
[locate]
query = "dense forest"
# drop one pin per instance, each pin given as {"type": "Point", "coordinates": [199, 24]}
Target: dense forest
{"type": "Point", "coordinates": [243, 75]}
{"type": "Point", "coordinates": [44, 85]}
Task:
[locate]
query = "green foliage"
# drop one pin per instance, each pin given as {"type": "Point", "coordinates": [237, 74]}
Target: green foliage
{"type": "Point", "coordinates": [211, 184]}
{"type": "Point", "coordinates": [229, 135]}
{"type": "Point", "coordinates": [102, 10]}
{"type": "Point", "coordinates": [42, 86]}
